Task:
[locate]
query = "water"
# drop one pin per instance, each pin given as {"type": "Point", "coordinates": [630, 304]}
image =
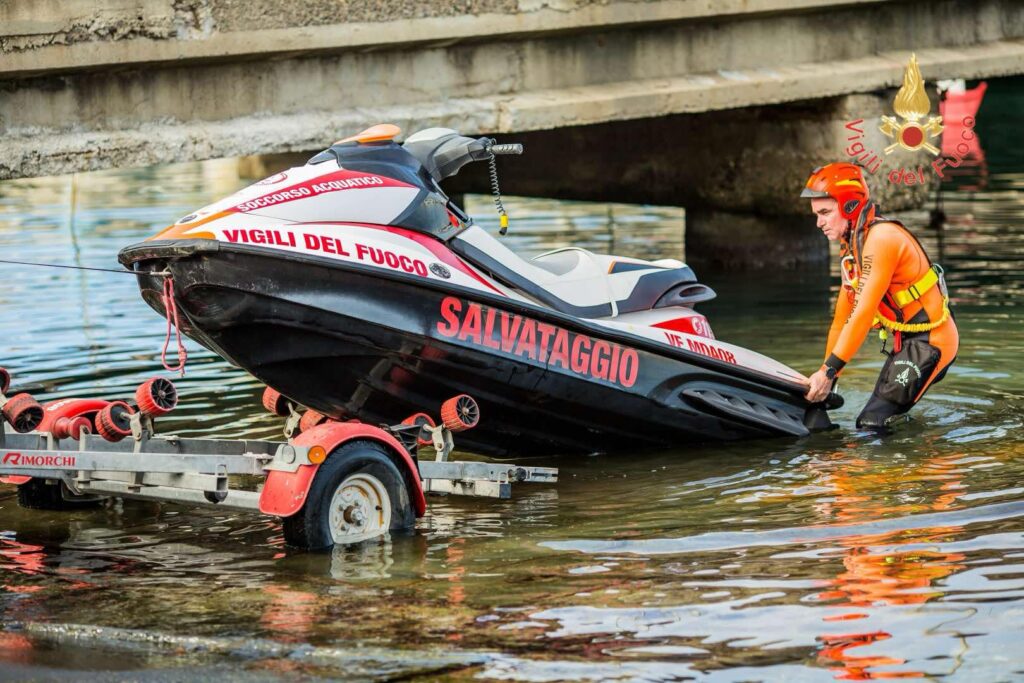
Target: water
{"type": "Point", "coordinates": [840, 556]}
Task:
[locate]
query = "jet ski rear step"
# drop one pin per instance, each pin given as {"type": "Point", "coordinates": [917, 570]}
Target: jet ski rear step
{"type": "Point", "coordinates": [749, 411]}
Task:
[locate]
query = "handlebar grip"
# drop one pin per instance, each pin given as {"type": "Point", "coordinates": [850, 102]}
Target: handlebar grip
{"type": "Point", "coordinates": [507, 149]}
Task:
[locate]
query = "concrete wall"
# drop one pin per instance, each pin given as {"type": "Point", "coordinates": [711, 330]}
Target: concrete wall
{"type": "Point", "coordinates": [721, 107]}
{"type": "Point", "coordinates": [147, 81]}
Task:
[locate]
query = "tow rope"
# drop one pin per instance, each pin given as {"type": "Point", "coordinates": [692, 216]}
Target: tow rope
{"type": "Point", "coordinates": [171, 311]}
{"type": "Point", "coordinates": [98, 270]}
{"type": "Point", "coordinates": [168, 299]}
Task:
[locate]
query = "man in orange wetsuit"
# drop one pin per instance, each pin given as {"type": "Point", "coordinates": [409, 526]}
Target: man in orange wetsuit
{"type": "Point", "coordinates": [888, 281]}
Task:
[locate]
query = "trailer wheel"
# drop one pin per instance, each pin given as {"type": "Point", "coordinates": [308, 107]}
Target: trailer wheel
{"type": "Point", "coordinates": [37, 494]}
{"type": "Point", "coordinates": [357, 494]}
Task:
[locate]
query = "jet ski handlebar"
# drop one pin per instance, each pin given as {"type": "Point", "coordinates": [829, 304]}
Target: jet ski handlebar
{"type": "Point", "coordinates": [506, 149]}
{"type": "Point", "coordinates": [443, 151]}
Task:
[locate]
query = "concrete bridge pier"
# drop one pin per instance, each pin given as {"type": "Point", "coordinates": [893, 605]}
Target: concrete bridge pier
{"type": "Point", "coordinates": [747, 211]}
{"type": "Point", "coordinates": [721, 240]}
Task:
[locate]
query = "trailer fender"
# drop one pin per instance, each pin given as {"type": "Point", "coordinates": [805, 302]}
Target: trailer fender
{"type": "Point", "coordinates": [284, 493]}
{"type": "Point", "coordinates": [53, 411]}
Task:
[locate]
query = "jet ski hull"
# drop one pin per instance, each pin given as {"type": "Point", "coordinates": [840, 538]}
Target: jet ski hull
{"type": "Point", "coordinates": [353, 343]}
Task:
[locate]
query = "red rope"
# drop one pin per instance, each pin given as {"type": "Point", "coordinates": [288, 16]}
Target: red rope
{"type": "Point", "coordinates": [171, 309]}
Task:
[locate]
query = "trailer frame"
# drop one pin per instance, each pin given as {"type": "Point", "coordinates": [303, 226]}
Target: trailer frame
{"type": "Point", "coordinates": [197, 471]}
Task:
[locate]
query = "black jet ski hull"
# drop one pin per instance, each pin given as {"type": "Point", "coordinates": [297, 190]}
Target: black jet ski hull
{"type": "Point", "coordinates": [351, 343]}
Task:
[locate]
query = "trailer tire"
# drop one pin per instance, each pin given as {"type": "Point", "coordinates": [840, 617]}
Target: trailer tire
{"type": "Point", "coordinates": [37, 494]}
{"type": "Point", "coordinates": [355, 466]}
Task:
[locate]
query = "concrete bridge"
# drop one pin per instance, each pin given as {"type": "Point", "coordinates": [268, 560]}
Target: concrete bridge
{"type": "Point", "coordinates": [719, 106]}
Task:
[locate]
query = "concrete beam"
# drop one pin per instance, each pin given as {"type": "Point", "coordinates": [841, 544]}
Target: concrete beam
{"type": "Point", "coordinates": [48, 38]}
{"type": "Point", "coordinates": [44, 151]}
{"type": "Point", "coordinates": [228, 94]}
{"type": "Point", "coordinates": [32, 32]}
{"type": "Point", "coordinates": [730, 89]}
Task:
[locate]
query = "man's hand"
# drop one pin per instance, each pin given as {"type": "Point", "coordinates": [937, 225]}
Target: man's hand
{"type": "Point", "coordinates": [818, 387]}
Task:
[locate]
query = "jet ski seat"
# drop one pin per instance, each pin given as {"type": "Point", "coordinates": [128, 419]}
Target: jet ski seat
{"type": "Point", "coordinates": [583, 284]}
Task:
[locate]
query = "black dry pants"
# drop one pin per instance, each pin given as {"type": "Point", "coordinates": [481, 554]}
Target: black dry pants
{"type": "Point", "coordinates": [904, 378]}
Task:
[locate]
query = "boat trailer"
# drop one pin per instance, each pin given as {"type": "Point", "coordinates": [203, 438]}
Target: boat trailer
{"type": "Point", "coordinates": [332, 482]}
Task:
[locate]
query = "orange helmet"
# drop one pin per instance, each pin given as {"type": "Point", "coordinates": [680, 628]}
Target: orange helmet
{"type": "Point", "coordinates": [843, 182]}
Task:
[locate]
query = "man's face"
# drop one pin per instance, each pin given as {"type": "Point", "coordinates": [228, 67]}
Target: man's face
{"type": "Point", "coordinates": [826, 210]}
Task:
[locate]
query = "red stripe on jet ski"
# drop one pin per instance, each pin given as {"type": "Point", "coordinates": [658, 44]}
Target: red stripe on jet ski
{"type": "Point", "coordinates": [691, 324]}
{"type": "Point", "coordinates": [330, 182]}
{"type": "Point", "coordinates": [441, 252]}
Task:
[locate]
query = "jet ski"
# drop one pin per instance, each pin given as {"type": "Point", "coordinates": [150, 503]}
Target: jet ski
{"type": "Point", "coordinates": [354, 286]}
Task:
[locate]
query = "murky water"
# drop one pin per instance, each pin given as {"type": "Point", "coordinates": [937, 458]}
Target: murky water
{"type": "Point", "coordinates": [840, 556]}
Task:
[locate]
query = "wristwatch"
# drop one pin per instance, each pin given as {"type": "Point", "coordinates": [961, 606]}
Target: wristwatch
{"type": "Point", "coordinates": [833, 365]}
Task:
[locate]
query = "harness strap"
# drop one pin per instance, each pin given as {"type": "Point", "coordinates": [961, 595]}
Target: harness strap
{"type": "Point", "coordinates": [851, 265]}
{"type": "Point", "coordinates": [908, 295]}
{"type": "Point", "coordinates": [902, 298]}
{"type": "Point", "coordinates": [918, 289]}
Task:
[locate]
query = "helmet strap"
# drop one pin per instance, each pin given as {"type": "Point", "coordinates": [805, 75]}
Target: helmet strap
{"type": "Point", "coordinates": [861, 220]}
{"type": "Point", "coordinates": [859, 233]}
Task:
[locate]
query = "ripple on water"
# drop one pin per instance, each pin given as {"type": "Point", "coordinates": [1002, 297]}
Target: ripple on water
{"type": "Point", "coordinates": [840, 556]}
{"type": "Point", "coordinates": [729, 540]}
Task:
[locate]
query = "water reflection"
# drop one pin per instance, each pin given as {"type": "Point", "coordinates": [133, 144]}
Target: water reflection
{"type": "Point", "coordinates": [896, 528]}
{"type": "Point", "coordinates": [874, 579]}
{"type": "Point", "coordinates": [539, 225]}
{"type": "Point", "coordinates": [838, 556]}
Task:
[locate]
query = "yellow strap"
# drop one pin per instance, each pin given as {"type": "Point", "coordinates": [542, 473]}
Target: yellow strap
{"type": "Point", "coordinates": [917, 290]}
{"type": "Point", "coordinates": [917, 327]}
{"type": "Point", "coordinates": [914, 291]}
